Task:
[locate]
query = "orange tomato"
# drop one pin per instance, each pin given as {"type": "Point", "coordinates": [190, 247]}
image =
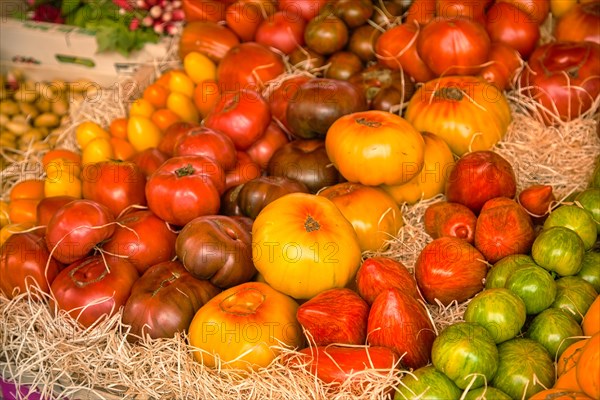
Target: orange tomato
{"type": "Point", "coordinates": [118, 128]}
{"type": "Point", "coordinates": [591, 319]}
{"type": "Point", "coordinates": [569, 357]}
{"type": "Point", "coordinates": [156, 94]}
{"type": "Point", "coordinates": [27, 189]}
{"type": "Point", "coordinates": [64, 154]}
{"type": "Point", "coordinates": [23, 210]}
{"type": "Point", "coordinates": [206, 95]}
{"type": "Point", "coordinates": [163, 118]}
{"type": "Point", "coordinates": [61, 183]}
{"type": "Point", "coordinates": [559, 394]}
{"type": "Point", "coordinates": [141, 107]}
{"type": "Point", "coordinates": [9, 229]}
{"type": "Point", "coordinates": [568, 381]}
{"type": "Point", "coordinates": [163, 80]}
{"type": "Point", "coordinates": [588, 367]}
{"type": "Point", "coordinates": [122, 149]}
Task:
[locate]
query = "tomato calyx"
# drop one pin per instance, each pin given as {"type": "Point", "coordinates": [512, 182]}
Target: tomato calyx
{"type": "Point", "coordinates": [449, 93]}
{"type": "Point", "coordinates": [243, 302]}
{"type": "Point", "coordinates": [368, 123]}
{"type": "Point", "coordinates": [87, 275]}
{"type": "Point", "coordinates": [166, 282]}
{"type": "Point", "coordinates": [311, 224]}
{"type": "Point", "coordinates": [185, 171]}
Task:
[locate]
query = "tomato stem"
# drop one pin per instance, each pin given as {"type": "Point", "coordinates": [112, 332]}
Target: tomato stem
{"type": "Point", "coordinates": [449, 93]}
{"type": "Point", "coordinates": [185, 171]}
{"type": "Point", "coordinates": [243, 302]}
{"type": "Point", "coordinates": [311, 224]}
{"type": "Point", "coordinates": [166, 282]}
{"type": "Point", "coordinates": [367, 122]}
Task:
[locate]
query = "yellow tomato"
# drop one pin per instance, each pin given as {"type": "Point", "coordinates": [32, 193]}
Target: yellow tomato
{"type": "Point", "coordinates": [141, 107]}
{"type": "Point", "coordinates": [431, 181]}
{"type": "Point", "coordinates": [183, 106]}
{"type": "Point", "coordinates": [142, 133]}
{"type": "Point", "coordinates": [199, 67]}
{"type": "Point", "coordinates": [558, 8]}
{"type": "Point", "coordinates": [61, 183]}
{"type": "Point", "coordinates": [97, 150]}
{"type": "Point", "coordinates": [304, 245]}
{"type": "Point", "coordinates": [9, 229]}
{"type": "Point", "coordinates": [375, 216]}
{"type": "Point", "coordinates": [88, 131]}
{"type": "Point", "coordinates": [244, 326]}
{"type": "Point", "coordinates": [181, 83]}
{"type": "Point", "coordinates": [63, 164]}
{"type": "Point", "coordinates": [4, 219]}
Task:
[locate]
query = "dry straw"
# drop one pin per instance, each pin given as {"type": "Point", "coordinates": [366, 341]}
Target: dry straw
{"type": "Point", "coordinates": [49, 351]}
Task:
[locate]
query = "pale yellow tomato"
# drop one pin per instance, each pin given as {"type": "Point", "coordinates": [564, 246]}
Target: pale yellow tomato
{"type": "Point", "coordinates": [97, 150]}
{"type": "Point", "coordinates": [142, 133]}
{"type": "Point", "coordinates": [141, 107]}
{"type": "Point", "coordinates": [199, 67]}
{"type": "Point", "coordinates": [88, 131]}
{"type": "Point", "coordinates": [183, 106]}
{"type": "Point", "coordinates": [180, 82]}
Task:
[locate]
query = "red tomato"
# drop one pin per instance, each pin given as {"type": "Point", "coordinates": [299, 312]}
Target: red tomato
{"type": "Point", "coordinates": [172, 134]}
{"type": "Point", "coordinates": [76, 228]}
{"type": "Point", "coordinates": [563, 96]}
{"type": "Point", "coordinates": [586, 17]}
{"type": "Point", "coordinates": [48, 206]}
{"type": "Point", "coordinates": [184, 188]}
{"type": "Point", "coordinates": [282, 31]}
{"type": "Point", "coordinates": [507, 24]}
{"type": "Point", "coordinates": [93, 288]}
{"type": "Point", "coordinates": [245, 170]}
{"type": "Point", "coordinates": [536, 9]}
{"type": "Point", "coordinates": [142, 238]}
{"type": "Point", "coordinates": [282, 94]}
{"type": "Point", "coordinates": [308, 9]}
{"type": "Point", "coordinates": [243, 116]}
{"type": "Point", "coordinates": [453, 46]}
{"type": "Point", "coordinates": [474, 10]}
{"type": "Point", "coordinates": [243, 18]}
{"type": "Point", "coordinates": [25, 262]}
{"type": "Point", "coordinates": [149, 160]}
{"type": "Point", "coordinates": [421, 12]}
{"type": "Point", "coordinates": [204, 141]}
{"type": "Point", "coordinates": [206, 37]}
{"type": "Point", "coordinates": [261, 151]}
{"type": "Point", "coordinates": [504, 64]}
{"type": "Point", "coordinates": [116, 184]}
{"type": "Point", "coordinates": [203, 10]}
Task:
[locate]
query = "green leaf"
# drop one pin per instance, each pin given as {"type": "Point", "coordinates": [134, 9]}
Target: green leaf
{"type": "Point", "coordinates": [69, 6]}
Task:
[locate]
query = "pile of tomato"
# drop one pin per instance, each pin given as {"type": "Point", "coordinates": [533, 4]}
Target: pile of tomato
{"type": "Point", "coordinates": [240, 198]}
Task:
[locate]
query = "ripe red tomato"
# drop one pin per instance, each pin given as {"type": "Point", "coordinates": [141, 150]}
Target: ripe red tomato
{"type": "Point", "coordinates": [48, 206]}
{"type": "Point", "coordinates": [243, 116]}
{"type": "Point", "coordinates": [76, 228]}
{"type": "Point", "coordinates": [243, 18]}
{"type": "Point", "coordinates": [508, 24]}
{"type": "Point", "coordinates": [279, 97]}
{"type": "Point", "coordinates": [206, 37]}
{"type": "Point", "coordinates": [474, 10]}
{"type": "Point", "coordinates": [505, 63]}
{"type": "Point", "coordinates": [25, 262]}
{"type": "Point", "coordinates": [245, 169]}
{"type": "Point", "coordinates": [203, 10]}
{"type": "Point", "coordinates": [116, 184]}
{"type": "Point", "coordinates": [421, 11]}
{"type": "Point", "coordinates": [453, 45]}
{"type": "Point", "coordinates": [142, 238]}
{"type": "Point", "coordinates": [537, 10]}
{"type": "Point", "coordinates": [204, 141]}
{"type": "Point", "coordinates": [586, 17]}
{"type": "Point", "coordinates": [263, 149]}
{"type": "Point", "coordinates": [93, 288]}
{"type": "Point", "coordinates": [184, 188]}
{"type": "Point", "coordinates": [149, 160]}
{"type": "Point", "coordinates": [282, 31]}
{"type": "Point", "coordinates": [172, 134]}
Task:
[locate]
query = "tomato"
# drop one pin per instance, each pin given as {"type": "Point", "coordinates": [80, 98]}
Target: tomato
{"type": "Point", "coordinates": [182, 105]}
{"type": "Point", "coordinates": [387, 13]}
{"type": "Point", "coordinates": [25, 263]}
{"type": "Point", "coordinates": [156, 95]}
{"type": "Point", "coordinates": [48, 206]}
{"type": "Point", "coordinates": [589, 271]}
{"type": "Point", "coordinates": [122, 149]}
{"type": "Point", "coordinates": [375, 216]}
{"type": "Point", "coordinates": [555, 393]}
{"type": "Point", "coordinates": [421, 11]}
{"type": "Point", "coordinates": [172, 134]}
{"type": "Point", "coordinates": [307, 9]}
{"type": "Point", "coordinates": [555, 330]}
{"type": "Point", "coordinates": [278, 97]}
{"type": "Point", "coordinates": [10, 229]}
{"type": "Point", "coordinates": [560, 96]}
{"type": "Point", "coordinates": [149, 160]}
{"type": "Point", "coordinates": [206, 95]}
{"type": "Point", "coordinates": [199, 67]}
{"type": "Point", "coordinates": [248, 65]}
{"type": "Point", "coordinates": [577, 219]}
{"type": "Point", "coordinates": [24, 198]}
{"type": "Point", "coordinates": [252, 196]}
{"type": "Point", "coordinates": [244, 326]}
{"type": "Point", "coordinates": [59, 181]}
{"type": "Point", "coordinates": [180, 82]}
{"type": "Point", "coordinates": [163, 118]}
{"type": "Point", "coordinates": [318, 103]}
{"type": "Point", "coordinates": [574, 296]}
{"type": "Point", "coordinates": [506, 23]}
{"type": "Point", "coordinates": [243, 18]}
{"type": "Point", "coordinates": [27, 189]}
{"type": "Point", "coordinates": [88, 131]}
{"type": "Point", "coordinates": [62, 157]}
{"type": "Point", "coordinates": [464, 350]}
{"type": "Point", "coordinates": [385, 89]}
{"type": "Point", "coordinates": [585, 17]}
{"type": "Point", "coordinates": [504, 65]}
{"type": "Point", "coordinates": [116, 184]}
{"type": "Point", "coordinates": [587, 366]}
{"type": "Point", "coordinates": [184, 188]}
{"type": "Point", "coordinates": [427, 381]}
{"type": "Point", "coordinates": [535, 286]}
{"type": "Point", "coordinates": [438, 162]}
{"type": "Point", "coordinates": [142, 133]}
{"type": "Point", "coordinates": [203, 141]}
{"type": "Point", "coordinates": [378, 273]}
{"type": "Point", "coordinates": [4, 219]}
{"type": "Point", "coordinates": [164, 300]}
{"type": "Point", "coordinates": [591, 319]}
{"type": "Point", "coordinates": [589, 199]}
{"type": "Point", "coordinates": [143, 239]}
{"type": "Point", "coordinates": [98, 150]}
{"type": "Point", "coordinates": [467, 112]}
{"type": "Point", "coordinates": [297, 242]}
{"type": "Point", "coordinates": [525, 368]}
{"type": "Point", "coordinates": [536, 10]}
{"type": "Point", "coordinates": [94, 288]}
{"type": "Point", "coordinates": [486, 392]}
{"type": "Point", "coordinates": [558, 8]}
{"type": "Point", "coordinates": [558, 249]}
{"type": "Point", "coordinates": [281, 31]}
{"type": "Point", "coordinates": [569, 357]}
{"type": "Point", "coordinates": [245, 170]}
{"type": "Point", "coordinates": [396, 150]}
{"type": "Point", "coordinates": [217, 248]}
{"type": "Point", "coordinates": [208, 38]}
{"type": "Point", "coordinates": [342, 65]}
{"type": "Point", "coordinates": [141, 107]}
{"type": "Point", "coordinates": [306, 59]}
{"type": "Point", "coordinates": [263, 149]}
{"type": "Point", "coordinates": [203, 10]}
{"type": "Point", "coordinates": [396, 48]}
{"type": "Point", "coordinates": [243, 116]}
{"type": "Point", "coordinates": [306, 161]}
{"type": "Point", "coordinates": [500, 271]}
{"type": "Point", "coordinates": [451, 46]}
{"type": "Point", "coordinates": [76, 228]}
{"type": "Point", "coordinates": [474, 10]}
{"type": "Point", "coordinates": [362, 42]}
{"type": "Point", "coordinates": [326, 34]}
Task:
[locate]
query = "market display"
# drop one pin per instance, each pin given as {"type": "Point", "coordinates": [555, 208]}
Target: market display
{"type": "Point", "coordinates": [314, 199]}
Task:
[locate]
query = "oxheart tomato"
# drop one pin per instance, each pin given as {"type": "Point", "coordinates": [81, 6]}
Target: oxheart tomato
{"type": "Point", "coordinates": [242, 115]}
{"type": "Point", "coordinates": [302, 245]}
{"type": "Point", "coordinates": [537, 200]}
{"type": "Point", "coordinates": [24, 263]}
{"type": "Point", "coordinates": [143, 238]}
{"type": "Point", "coordinates": [374, 215]}
{"type": "Point", "coordinates": [93, 288]}
{"type": "Point", "coordinates": [395, 154]}
{"type": "Point", "coordinates": [379, 273]}
{"type": "Point", "coordinates": [401, 322]}
{"type": "Point", "coordinates": [76, 228]}
{"type": "Point", "coordinates": [204, 141]}
{"type": "Point", "coordinates": [164, 300]}
{"type": "Point", "coordinates": [337, 315]}
{"type": "Point", "coordinates": [562, 96]}
{"type": "Point", "coordinates": [184, 188]}
{"type": "Point", "coordinates": [116, 184]}
{"type": "Point", "coordinates": [306, 161]}
{"type": "Point", "coordinates": [217, 248]}
{"type": "Point", "coordinates": [244, 327]}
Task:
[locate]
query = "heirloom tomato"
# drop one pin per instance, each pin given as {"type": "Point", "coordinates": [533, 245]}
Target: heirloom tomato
{"type": "Point", "coordinates": [281, 31]}
{"type": "Point", "coordinates": [244, 327]}
{"type": "Point", "coordinates": [326, 34]}
{"type": "Point", "coordinates": [281, 94]}
{"type": "Point", "coordinates": [506, 23]}
{"type": "Point", "coordinates": [558, 249]}
{"type": "Point", "coordinates": [204, 141]}
{"type": "Point", "coordinates": [263, 149]}
{"type": "Point", "coordinates": [576, 218]}
{"type": "Point", "coordinates": [172, 134]}
{"type": "Point", "coordinates": [534, 285]}
{"type": "Point", "coordinates": [466, 111]}
{"type": "Point", "coordinates": [244, 170]}
{"type": "Point", "coordinates": [149, 160]}
{"type": "Point", "coordinates": [536, 10]}
{"type": "Point", "coordinates": [375, 216]}
{"type": "Point", "coordinates": [307, 9]}
{"type": "Point", "coordinates": [208, 38]}
{"type": "Point", "coordinates": [574, 296]}
{"type": "Point", "coordinates": [375, 147]}
{"type": "Point", "coordinates": [303, 245]}
{"type": "Point", "coordinates": [427, 383]}
{"type": "Point", "coordinates": [586, 17]}
{"type": "Point", "coordinates": [362, 42]}
{"type": "Point", "coordinates": [184, 188]}
{"type": "Point", "coordinates": [243, 18]}
{"type": "Point", "coordinates": [555, 330]}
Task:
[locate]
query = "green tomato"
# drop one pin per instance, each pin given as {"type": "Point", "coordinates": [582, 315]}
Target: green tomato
{"type": "Point", "coordinates": [535, 286]}
{"type": "Point", "coordinates": [489, 393]}
{"type": "Point", "coordinates": [554, 329]}
{"type": "Point", "coordinates": [498, 310]}
{"type": "Point", "coordinates": [590, 200]}
{"type": "Point", "coordinates": [574, 296]}
{"type": "Point", "coordinates": [558, 249]}
{"type": "Point", "coordinates": [595, 181]}
{"type": "Point", "coordinates": [466, 353]}
{"type": "Point", "coordinates": [590, 268]}
{"type": "Point", "coordinates": [577, 219]}
{"type": "Point", "coordinates": [427, 383]}
{"type": "Point", "coordinates": [502, 269]}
